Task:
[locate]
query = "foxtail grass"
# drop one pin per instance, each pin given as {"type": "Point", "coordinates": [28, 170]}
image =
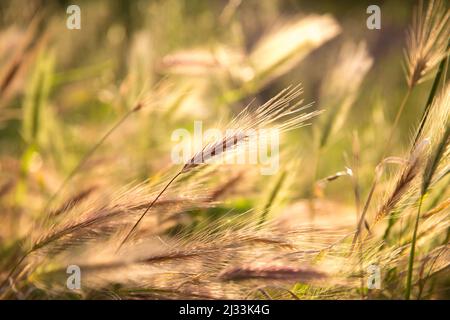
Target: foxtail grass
{"type": "Point", "coordinates": [282, 113]}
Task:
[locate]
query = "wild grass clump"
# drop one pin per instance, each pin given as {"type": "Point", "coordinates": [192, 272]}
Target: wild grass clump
{"type": "Point", "coordinates": [87, 178]}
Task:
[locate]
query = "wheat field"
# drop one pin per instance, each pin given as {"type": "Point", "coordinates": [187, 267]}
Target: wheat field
{"type": "Point", "coordinates": [350, 201]}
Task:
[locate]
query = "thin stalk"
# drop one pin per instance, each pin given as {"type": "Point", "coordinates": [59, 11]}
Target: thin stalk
{"type": "Point", "coordinates": [10, 274]}
{"type": "Point", "coordinates": [423, 282]}
{"type": "Point", "coordinates": [433, 90]}
{"type": "Point", "coordinates": [412, 253]}
{"type": "Point", "coordinates": [146, 210]}
{"type": "Point", "coordinates": [312, 209]}
{"type": "Point", "coordinates": [397, 118]}
{"type": "Point", "coordinates": [358, 210]}
{"type": "Point", "coordinates": [363, 214]}
{"type": "Point", "coordinates": [356, 193]}
{"type": "Point", "coordinates": [70, 176]}
{"type": "Point", "coordinates": [272, 197]}
{"type": "Point", "coordinates": [88, 154]}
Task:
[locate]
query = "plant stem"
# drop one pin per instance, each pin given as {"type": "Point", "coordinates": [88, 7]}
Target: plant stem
{"type": "Point", "coordinates": [272, 197]}
{"type": "Point", "coordinates": [411, 254]}
{"type": "Point", "coordinates": [433, 90]}
{"type": "Point", "coordinates": [86, 156]}
{"type": "Point", "coordinates": [397, 118]}
{"type": "Point", "coordinates": [10, 274]}
{"type": "Point", "coordinates": [363, 214]}
{"type": "Point", "coordinates": [146, 210]}
{"type": "Point", "coordinates": [312, 196]}
{"type": "Point", "coordinates": [356, 193]}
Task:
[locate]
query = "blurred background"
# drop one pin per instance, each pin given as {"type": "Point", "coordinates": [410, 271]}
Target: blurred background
{"type": "Point", "coordinates": [62, 89]}
{"type": "Point", "coordinates": [182, 61]}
